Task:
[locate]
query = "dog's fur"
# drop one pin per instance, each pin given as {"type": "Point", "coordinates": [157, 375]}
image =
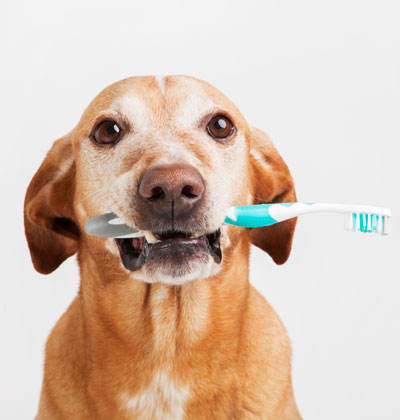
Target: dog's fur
{"type": "Point", "coordinates": [198, 343]}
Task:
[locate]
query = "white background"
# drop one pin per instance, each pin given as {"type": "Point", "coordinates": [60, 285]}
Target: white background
{"type": "Point", "coordinates": [321, 77]}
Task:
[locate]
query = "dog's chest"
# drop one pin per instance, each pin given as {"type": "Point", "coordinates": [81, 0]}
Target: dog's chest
{"type": "Point", "coordinates": [162, 399]}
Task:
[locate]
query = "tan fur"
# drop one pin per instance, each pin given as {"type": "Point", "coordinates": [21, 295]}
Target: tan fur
{"type": "Point", "coordinates": [131, 346]}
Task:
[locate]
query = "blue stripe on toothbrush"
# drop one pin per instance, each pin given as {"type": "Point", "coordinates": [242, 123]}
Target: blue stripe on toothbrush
{"type": "Point", "coordinates": [255, 215]}
{"type": "Point", "coordinates": [252, 216]}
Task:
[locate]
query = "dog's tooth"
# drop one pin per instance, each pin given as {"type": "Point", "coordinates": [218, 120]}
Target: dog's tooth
{"type": "Point", "coordinates": [150, 237]}
{"type": "Point", "coordinates": [196, 235]}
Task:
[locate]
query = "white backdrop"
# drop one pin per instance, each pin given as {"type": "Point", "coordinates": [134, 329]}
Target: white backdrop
{"type": "Point", "coordinates": [321, 77]}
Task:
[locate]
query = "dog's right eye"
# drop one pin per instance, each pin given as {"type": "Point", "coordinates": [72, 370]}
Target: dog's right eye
{"type": "Point", "coordinates": [107, 132]}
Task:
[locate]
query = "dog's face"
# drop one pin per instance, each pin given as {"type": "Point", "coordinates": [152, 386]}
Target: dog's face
{"type": "Point", "coordinates": [169, 156]}
{"type": "Point", "coordinates": [159, 154]}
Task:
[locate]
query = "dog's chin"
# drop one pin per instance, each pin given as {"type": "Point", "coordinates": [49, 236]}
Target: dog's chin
{"type": "Point", "coordinates": [171, 257]}
{"type": "Point", "coordinates": [177, 274]}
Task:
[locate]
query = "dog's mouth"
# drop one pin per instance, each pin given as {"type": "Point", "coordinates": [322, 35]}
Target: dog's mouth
{"type": "Point", "coordinates": [170, 247]}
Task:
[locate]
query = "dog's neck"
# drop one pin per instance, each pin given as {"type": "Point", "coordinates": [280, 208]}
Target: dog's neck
{"type": "Point", "coordinates": [164, 320]}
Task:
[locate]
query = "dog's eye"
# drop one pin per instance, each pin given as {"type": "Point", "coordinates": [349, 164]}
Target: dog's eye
{"type": "Point", "coordinates": [220, 127]}
{"type": "Point", "coordinates": [107, 132]}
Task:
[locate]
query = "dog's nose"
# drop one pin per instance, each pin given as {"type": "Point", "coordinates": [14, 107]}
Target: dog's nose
{"type": "Point", "coordinates": [164, 186]}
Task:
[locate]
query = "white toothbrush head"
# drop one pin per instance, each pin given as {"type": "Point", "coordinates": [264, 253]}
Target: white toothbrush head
{"type": "Point", "coordinates": [368, 222]}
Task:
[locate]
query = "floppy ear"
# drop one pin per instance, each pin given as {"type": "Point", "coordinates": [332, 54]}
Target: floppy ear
{"type": "Point", "coordinates": [50, 226]}
{"type": "Point", "coordinates": [272, 183]}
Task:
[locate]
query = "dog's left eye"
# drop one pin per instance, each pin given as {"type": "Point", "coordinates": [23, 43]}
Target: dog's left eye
{"type": "Point", "coordinates": [107, 132]}
{"type": "Point", "coordinates": [220, 127]}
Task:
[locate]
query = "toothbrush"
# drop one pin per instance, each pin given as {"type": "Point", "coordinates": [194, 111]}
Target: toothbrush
{"type": "Point", "coordinates": [358, 218]}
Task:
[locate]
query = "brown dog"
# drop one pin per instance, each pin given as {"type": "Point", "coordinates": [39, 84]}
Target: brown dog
{"type": "Point", "coordinates": [166, 327]}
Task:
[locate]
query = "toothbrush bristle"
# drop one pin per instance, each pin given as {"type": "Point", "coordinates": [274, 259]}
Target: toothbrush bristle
{"type": "Point", "coordinates": [367, 223]}
{"type": "Point", "coordinates": [385, 225]}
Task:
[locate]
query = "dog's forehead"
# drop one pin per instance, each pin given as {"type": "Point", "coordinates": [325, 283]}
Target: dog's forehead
{"type": "Point", "coordinates": [150, 101]}
{"type": "Point", "coordinates": [189, 99]}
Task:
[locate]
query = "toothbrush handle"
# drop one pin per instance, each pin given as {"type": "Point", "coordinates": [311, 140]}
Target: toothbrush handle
{"type": "Point", "coordinates": [251, 216]}
{"type": "Point", "coordinates": [268, 214]}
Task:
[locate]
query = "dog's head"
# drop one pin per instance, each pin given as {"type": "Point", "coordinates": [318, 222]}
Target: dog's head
{"type": "Point", "coordinates": [168, 156]}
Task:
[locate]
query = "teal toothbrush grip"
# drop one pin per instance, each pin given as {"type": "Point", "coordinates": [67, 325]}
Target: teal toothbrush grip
{"type": "Point", "coordinates": [252, 216]}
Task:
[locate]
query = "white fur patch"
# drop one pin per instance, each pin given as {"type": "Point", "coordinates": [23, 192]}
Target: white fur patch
{"type": "Point", "coordinates": [64, 165]}
{"type": "Point", "coordinates": [164, 320]}
{"type": "Point", "coordinates": [112, 247]}
{"type": "Point", "coordinates": [81, 209]}
{"type": "Point", "coordinates": [161, 83]}
{"type": "Point", "coordinates": [225, 240]}
{"type": "Point", "coordinates": [135, 110]}
{"type": "Point", "coordinates": [171, 151]}
{"type": "Point", "coordinates": [191, 109]}
{"type": "Point", "coordinates": [161, 400]}
{"type": "Point", "coordinates": [259, 158]}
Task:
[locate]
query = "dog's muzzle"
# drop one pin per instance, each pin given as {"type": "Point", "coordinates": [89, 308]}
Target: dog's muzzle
{"type": "Point", "coordinates": [169, 197]}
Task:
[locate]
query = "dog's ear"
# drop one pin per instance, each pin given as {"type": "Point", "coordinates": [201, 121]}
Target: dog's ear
{"type": "Point", "coordinates": [272, 183]}
{"type": "Point", "coordinates": [50, 226]}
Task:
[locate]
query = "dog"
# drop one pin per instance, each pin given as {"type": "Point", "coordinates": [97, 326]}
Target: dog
{"type": "Point", "coordinates": [165, 326]}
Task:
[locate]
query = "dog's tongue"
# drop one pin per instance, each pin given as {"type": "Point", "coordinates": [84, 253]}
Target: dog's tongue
{"type": "Point", "coordinates": [138, 243]}
{"type": "Point", "coordinates": [133, 260]}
